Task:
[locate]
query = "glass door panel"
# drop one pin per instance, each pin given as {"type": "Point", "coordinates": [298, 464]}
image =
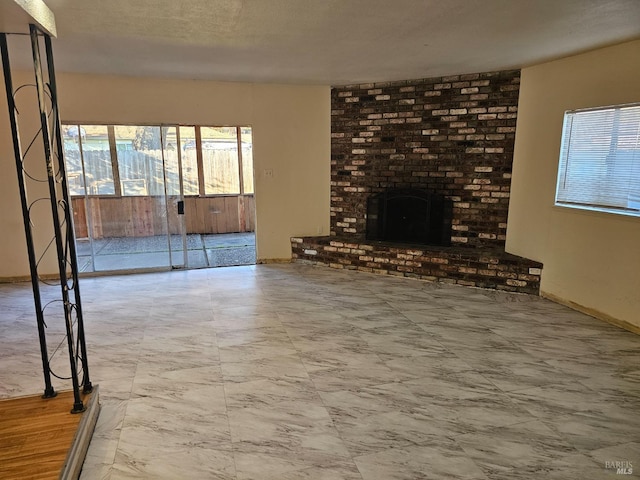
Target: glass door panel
{"type": "Point", "coordinates": [121, 222]}
{"type": "Point", "coordinates": [91, 178]}
{"type": "Point", "coordinates": [134, 222]}
{"type": "Point", "coordinates": [181, 173]}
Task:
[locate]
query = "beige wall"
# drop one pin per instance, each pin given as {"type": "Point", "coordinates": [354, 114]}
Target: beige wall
{"type": "Point", "coordinates": [291, 126]}
{"type": "Point", "coordinates": [13, 252]}
{"type": "Point", "coordinates": [591, 260]}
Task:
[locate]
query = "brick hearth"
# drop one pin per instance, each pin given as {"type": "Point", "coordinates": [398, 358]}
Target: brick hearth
{"type": "Point", "coordinates": [484, 268]}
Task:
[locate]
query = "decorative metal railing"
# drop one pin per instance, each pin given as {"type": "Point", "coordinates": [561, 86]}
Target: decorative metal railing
{"type": "Point", "coordinates": [37, 168]}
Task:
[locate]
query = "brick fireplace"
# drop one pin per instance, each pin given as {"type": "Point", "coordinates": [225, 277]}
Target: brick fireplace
{"type": "Point", "coordinates": [449, 136]}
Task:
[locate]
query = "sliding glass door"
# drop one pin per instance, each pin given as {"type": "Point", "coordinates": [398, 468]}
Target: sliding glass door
{"type": "Point", "coordinates": [124, 217]}
{"type": "Point", "coordinates": [161, 197]}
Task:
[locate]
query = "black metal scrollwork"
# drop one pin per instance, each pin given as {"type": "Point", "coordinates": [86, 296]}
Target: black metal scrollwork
{"type": "Point", "coordinates": [65, 306]}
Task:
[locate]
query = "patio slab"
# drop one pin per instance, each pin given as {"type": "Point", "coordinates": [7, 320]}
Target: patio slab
{"type": "Point", "coordinates": [134, 253]}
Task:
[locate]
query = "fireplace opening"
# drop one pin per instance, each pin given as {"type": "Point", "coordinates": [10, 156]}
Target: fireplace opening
{"type": "Point", "coordinates": [409, 216]}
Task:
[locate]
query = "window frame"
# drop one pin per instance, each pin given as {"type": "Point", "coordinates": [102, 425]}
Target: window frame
{"type": "Point", "coordinates": [563, 196]}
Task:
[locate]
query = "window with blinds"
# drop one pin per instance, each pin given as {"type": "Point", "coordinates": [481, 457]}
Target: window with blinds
{"type": "Point", "coordinates": [600, 160]}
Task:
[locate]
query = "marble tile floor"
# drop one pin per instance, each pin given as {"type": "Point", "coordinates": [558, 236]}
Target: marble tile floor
{"type": "Point", "coordinates": [300, 372]}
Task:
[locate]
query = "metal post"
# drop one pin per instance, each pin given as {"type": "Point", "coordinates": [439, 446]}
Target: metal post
{"type": "Point", "coordinates": [48, 390]}
{"type": "Point", "coordinates": [166, 193]}
{"type": "Point", "coordinates": [70, 234]}
{"type": "Point", "coordinates": [78, 405]}
{"type": "Point", "coordinates": [182, 221]}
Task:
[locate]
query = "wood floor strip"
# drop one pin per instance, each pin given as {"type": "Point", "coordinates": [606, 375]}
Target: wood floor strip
{"type": "Point", "coordinates": [36, 435]}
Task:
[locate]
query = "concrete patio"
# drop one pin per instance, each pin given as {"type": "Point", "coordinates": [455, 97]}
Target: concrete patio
{"type": "Point", "coordinates": [143, 253]}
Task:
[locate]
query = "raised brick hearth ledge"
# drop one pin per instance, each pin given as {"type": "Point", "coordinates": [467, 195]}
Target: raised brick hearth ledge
{"type": "Point", "coordinates": [475, 267]}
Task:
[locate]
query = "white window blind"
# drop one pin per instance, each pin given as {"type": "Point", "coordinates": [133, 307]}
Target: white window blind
{"type": "Point", "coordinates": [600, 160]}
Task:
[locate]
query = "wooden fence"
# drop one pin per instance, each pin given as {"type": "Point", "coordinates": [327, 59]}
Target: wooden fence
{"type": "Point", "coordinates": [144, 216]}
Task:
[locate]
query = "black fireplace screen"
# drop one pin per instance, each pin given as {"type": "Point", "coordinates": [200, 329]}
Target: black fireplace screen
{"type": "Point", "coordinates": [409, 216]}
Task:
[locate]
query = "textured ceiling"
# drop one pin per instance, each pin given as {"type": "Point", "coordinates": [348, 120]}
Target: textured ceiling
{"type": "Point", "coordinates": [330, 42]}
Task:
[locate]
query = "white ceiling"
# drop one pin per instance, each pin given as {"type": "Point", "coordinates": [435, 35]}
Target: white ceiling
{"type": "Point", "coordinates": [332, 42]}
